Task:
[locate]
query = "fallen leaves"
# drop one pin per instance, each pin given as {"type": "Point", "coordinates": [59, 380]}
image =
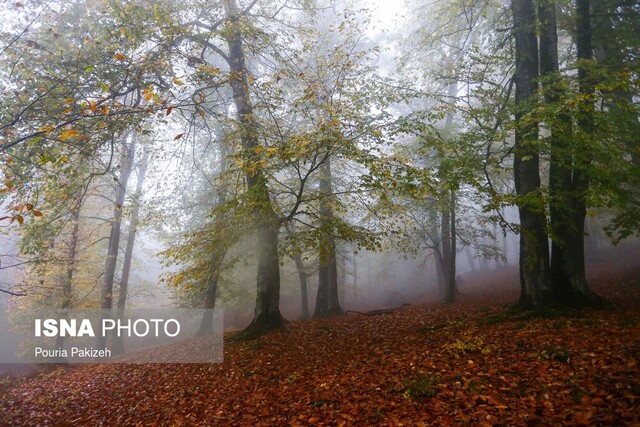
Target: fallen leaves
{"type": "Point", "coordinates": [412, 367]}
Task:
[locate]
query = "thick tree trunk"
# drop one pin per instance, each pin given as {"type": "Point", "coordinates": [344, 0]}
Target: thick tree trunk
{"type": "Point", "coordinates": [567, 185]}
{"type": "Point", "coordinates": [267, 313]}
{"type": "Point", "coordinates": [569, 276]}
{"type": "Point", "coordinates": [210, 296]}
{"type": "Point", "coordinates": [327, 301]}
{"type": "Point", "coordinates": [534, 251]}
{"type": "Point", "coordinates": [449, 251]}
{"type": "Point", "coordinates": [560, 173]}
{"type": "Point", "coordinates": [448, 216]}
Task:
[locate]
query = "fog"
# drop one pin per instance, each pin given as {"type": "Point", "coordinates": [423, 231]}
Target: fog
{"type": "Point", "coordinates": [381, 140]}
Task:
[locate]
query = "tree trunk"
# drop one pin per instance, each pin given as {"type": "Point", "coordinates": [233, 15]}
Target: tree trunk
{"type": "Point", "coordinates": [210, 296]}
{"type": "Point", "coordinates": [106, 297]}
{"type": "Point", "coordinates": [304, 285]}
{"type": "Point", "coordinates": [67, 285]}
{"type": "Point", "coordinates": [568, 266]}
{"type": "Point", "coordinates": [71, 264]}
{"type": "Point", "coordinates": [128, 148]}
{"type": "Point", "coordinates": [534, 251]}
{"type": "Point", "coordinates": [126, 163]}
{"type": "Point", "coordinates": [445, 230]}
{"type": "Point", "coordinates": [452, 286]}
{"type": "Point", "coordinates": [131, 238]}
{"type": "Point", "coordinates": [435, 244]}
{"type": "Point", "coordinates": [448, 218]}
{"type": "Point", "coordinates": [302, 272]}
{"type": "Point", "coordinates": [327, 301]}
{"type": "Point", "coordinates": [267, 312]}
{"type": "Point", "coordinates": [216, 263]}
{"type": "Point", "coordinates": [560, 173]}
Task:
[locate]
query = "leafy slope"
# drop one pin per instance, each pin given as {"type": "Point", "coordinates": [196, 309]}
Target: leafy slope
{"type": "Point", "coordinates": [423, 365]}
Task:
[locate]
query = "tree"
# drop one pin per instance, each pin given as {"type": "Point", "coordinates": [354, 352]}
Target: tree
{"type": "Point", "coordinates": [267, 314]}
{"type": "Point", "coordinates": [327, 301]}
{"type": "Point", "coordinates": [569, 167]}
{"type": "Point", "coordinates": [141, 169]}
{"type": "Point", "coordinates": [534, 252]}
{"type": "Point", "coordinates": [126, 166]}
{"type": "Point", "coordinates": [454, 138]}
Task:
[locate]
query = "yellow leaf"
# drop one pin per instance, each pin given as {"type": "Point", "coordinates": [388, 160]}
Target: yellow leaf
{"type": "Point", "coordinates": [20, 219]}
{"type": "Point", "coordinates": [119, 57]}
{"type": "Point", "coordinates": [37, 213]}
{"type": "Point", "coordinates": [68, 134]}
{"type": "Point", "coordinates": [178, 82]}
{"type": "Point", "coordinates": [104, 109]}
{"type": "Point", "coordinates": [46, 129]}
{"type": "Point", "coordinates": [69, 100]}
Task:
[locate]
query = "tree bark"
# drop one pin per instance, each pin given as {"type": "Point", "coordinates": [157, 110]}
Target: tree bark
{"type": "Point", "coordinates": [452, 286]}
{"type": "Point", "coordinates": [302, 273]}
{"type": "Point", "coordinates": [568, 266]}
{"type": "Point", "coordinates": [327, 301]}
{"type": "Point", "coordinates": [126, 165]}
{"type": "Point", "coordinates": [534, 251]}
{"type": "Point", "coordinates": [106, 297]}
{"type": "Point", "coordinates": [215, 264]}
{"type": "Point", "coordinates": [560, 129]}
{"type": "Point", "coordinates": [304, 285]}
{"type": "Point", "coordinates": [448, 219]}
{"type": "Point", "coordinates": [67, 285]}
{"type": "Point", "coordinates": [210, 297]}
{"type": "Point", "coordinates": [267, 312]}
{"type": "Point", "coordinates": [133, 226]}
{"type": "Point", "coordinates": [71, 264]}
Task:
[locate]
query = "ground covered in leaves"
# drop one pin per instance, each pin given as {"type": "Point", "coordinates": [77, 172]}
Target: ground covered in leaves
{"type": "Point", "coordinates": [472, 362]}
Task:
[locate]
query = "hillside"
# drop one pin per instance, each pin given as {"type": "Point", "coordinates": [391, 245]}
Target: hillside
{"type": "Point", "coordinates": [471, 362]}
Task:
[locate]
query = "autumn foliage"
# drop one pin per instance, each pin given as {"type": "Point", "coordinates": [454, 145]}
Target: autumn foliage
{"type": "Point", "coordinates": [474, 363]}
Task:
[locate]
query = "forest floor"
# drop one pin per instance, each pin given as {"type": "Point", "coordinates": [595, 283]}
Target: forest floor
{"type": "Point", "coordinates": [474, 362]}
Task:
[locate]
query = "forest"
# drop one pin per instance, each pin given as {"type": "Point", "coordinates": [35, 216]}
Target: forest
{"type": "Point", "coordinates": [404, 212]}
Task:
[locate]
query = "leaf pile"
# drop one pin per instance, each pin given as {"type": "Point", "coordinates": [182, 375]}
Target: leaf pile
{"type": "Point", "coordinates": [472, 362]}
